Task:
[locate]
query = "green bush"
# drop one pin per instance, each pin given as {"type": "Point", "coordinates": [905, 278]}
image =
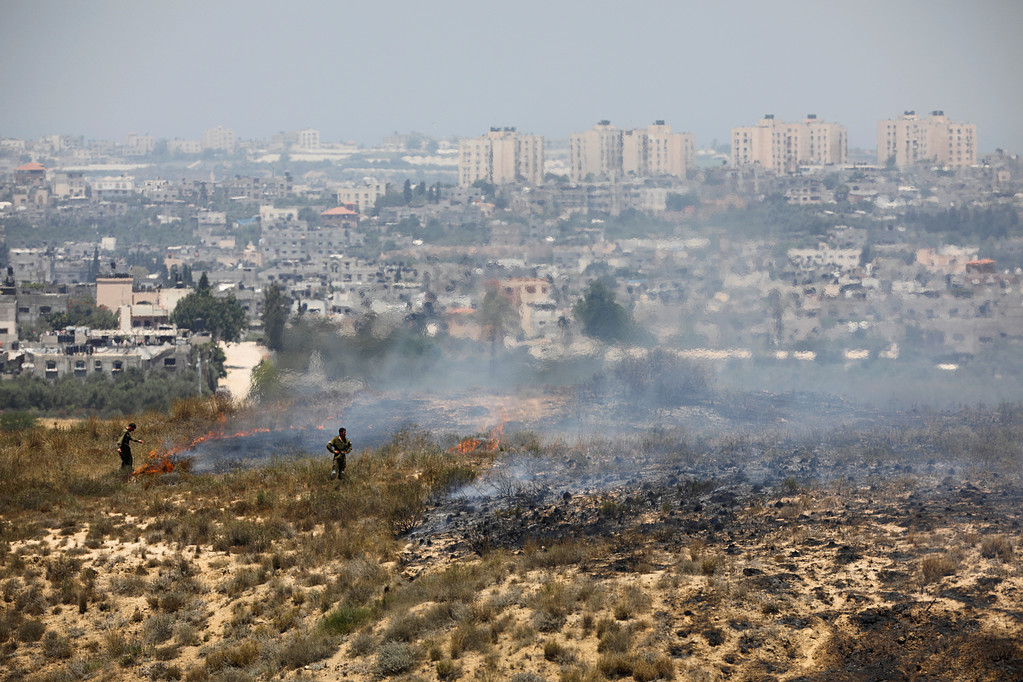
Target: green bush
{"type": "Point", "coordinates": [345, 619]}
{"type": "Point", "coordinates": [17, 421]}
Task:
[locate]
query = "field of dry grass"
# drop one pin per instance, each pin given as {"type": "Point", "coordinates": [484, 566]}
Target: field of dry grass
{"type": "Point", "coordinates": [884, 555]}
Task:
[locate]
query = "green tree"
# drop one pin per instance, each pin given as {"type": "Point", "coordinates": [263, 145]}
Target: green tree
{"type": "Point", "coordinates": [497, 317]}
{"type": "Point", "coordinates": [601, 316]}
{"type": "Point", "coordinates": [223, 317]}
{"type": "Point", "coordinates": [83, 312]}
{"type": "Point", "coordinates": [204, 288]}
{"type": "Point", "coordinates": [17, 421]}
{"type": "Point", "coordinates": [677, 202]}
{"type": "Point", "coordinates": [267, 382]}
{"type": "Point", "coordinates": [275, 315]}
{"type": "Point", "coordinates": [94, 266]}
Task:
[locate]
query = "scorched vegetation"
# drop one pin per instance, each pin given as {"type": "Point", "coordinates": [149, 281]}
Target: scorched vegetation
{"type": "Point", "coordinates": [885, 553]}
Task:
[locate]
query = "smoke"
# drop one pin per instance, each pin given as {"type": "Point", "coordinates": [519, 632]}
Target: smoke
{"type": "Point", "coordinates": [378, 380]}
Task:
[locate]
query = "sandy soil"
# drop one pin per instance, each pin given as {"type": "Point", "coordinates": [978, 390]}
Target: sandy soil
{"type": "Point", "coordinates": [823, 585]}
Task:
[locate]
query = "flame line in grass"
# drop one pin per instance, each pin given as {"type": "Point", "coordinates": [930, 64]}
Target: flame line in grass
{"type": "Point", "coordinates": [164, 462]}
{"type": "Point", "coordinates": [489, 444]}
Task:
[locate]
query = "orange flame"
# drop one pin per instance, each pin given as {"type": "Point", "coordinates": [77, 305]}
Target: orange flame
{"type": "Point", "coordinates": [163, 462]}
{"type": "Point", "coordinates": [489, 444]}
{"type": "Point", "coordinates": [156, 463]}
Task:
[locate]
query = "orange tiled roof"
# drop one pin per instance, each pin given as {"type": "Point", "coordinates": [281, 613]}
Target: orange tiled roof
{"type": "Point", "coordinates": [339, 210]}
{"type": "Point", "coordinates": [31, 166]}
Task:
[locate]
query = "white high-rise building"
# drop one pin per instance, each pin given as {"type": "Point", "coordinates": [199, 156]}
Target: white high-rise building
{"type": "Point", "coordinates": [605, 152]}
{"type": "Point", "coordinates": [501, 156]}
{"type": "Point", "coordinates": [784, 147]}
{"type": "Point", "coordinates": [308, 138]}
{"type": "Point", "coordinates": [219, 138]}
{"type": "Point", "coordinates": [910, 139]}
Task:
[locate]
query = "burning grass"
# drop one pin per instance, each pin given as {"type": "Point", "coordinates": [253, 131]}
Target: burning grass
{"type": "Point", "coordinates": [503, 556]}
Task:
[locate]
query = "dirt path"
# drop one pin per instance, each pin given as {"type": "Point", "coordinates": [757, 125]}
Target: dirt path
{"type": "Point", "coordinates": [241, 358]}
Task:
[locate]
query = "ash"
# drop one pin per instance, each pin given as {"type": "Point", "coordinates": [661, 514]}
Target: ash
{"type": "Point", "coordinates": [663, 486]}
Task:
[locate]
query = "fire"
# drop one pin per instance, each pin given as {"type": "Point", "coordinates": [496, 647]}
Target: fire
{"type": "Point", "coordinates": [489, 444]}
{"type": "Point", "coordinates": [156, 463]}
{"type": "Point", "coordinates": [163, 462]}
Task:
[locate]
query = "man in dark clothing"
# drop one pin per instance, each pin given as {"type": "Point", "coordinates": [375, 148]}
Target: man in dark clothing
{"type": "Point", "coordinates": [124, 448]}
{"type": "Point", "coordinates": [340, 446]}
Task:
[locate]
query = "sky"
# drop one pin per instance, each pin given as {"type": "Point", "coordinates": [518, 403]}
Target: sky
{"type": "Point", "coordinates": [358, 71]}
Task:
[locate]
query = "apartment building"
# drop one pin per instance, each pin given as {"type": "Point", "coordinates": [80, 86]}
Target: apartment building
{"type": "Point", "coordinates": [308, 138]}
{"type": "Point", "coordinates": [656, 150]}
{"type": "Point", "coordinates": [139, 145]}
{"type": "Point", "coordinates": [784, 146]}
{"type": "Point", "coordinates": [113, 187]}
{"type": "Point", "coordinates": [295, 240]}
{"type": "Point", "coordinates": [32, 174]}
{"type": "Point", "coordinates": [605, 152]}
{"type": "Point", "coordinates": [500, 157]}
{"type": "Point", "coordinates": [259, 189]}
{"type": "Point", "coordinates": [910, 139]}
{"type": "Point", "coordinates": [596, 153]}
{"type": "Point", "coordinates": [177, 146]}
{"type": "Point", "coordinates": [68, 185]}
{"type": "Point", "coordinates": [363, 197]}
{"type": "Point", "coordinates": [219, 138]}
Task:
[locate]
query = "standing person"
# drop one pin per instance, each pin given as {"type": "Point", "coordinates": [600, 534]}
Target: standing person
{"type": "Point", "coordinates": [340, 446]}
{"type": "Point", "coordinates": [124, 448]}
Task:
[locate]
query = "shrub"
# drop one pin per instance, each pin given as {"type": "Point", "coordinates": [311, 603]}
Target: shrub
{"type": "Point", "coordinates": [56, 646]}
{"type": "Point", "coordinates": [447, 669]}
{"type": "Point", "coordinates": [239, 655]}
{"type": "Point", "coordinates": [615, 664]}
{"type": "Point", "coordinates": [934, 568]}
{"type": "Point", "coordinates": [31, 630]}
{"type": "Point", "coordinates": [632, 601]}
{"type": "Point", "coordinates": [556, 652]}
{"type": "Point", "coordinates": [158, 628]}
{"type": "Point", "coordinates": [405, 627]}
{"type": "Point", "coordinates": [125, 651]}
{"type": "Point", "coordinates": [613, 637]}
{"type": "Point", "coordinates": [362, 644]}
{"type": "Point", "coordinates": [395, 658]}
{"type": "Point", "coordinates": [649, 667]}
{"type": "Point", "coordinates": [17, 421]}
{"type": "Point", "coordinates": [997, 547]}
{"type": "Point", "coordinates": [470, 637]}
{"type": "Point", "coordinates": [305, 647]}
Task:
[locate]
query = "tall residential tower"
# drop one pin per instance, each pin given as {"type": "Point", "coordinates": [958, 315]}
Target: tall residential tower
{"type": "Point", "coordinates": [784, 147]}
{"type": "Point", "coordinates": [607, 152]}
{"type": "Point", "coordinates": [910, 139]}
{"type": "Point", "coordinates": [501, 156]}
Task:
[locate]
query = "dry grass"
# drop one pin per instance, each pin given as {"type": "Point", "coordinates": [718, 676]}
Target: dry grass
{"type": "Point", "coordinates": [259, 574]}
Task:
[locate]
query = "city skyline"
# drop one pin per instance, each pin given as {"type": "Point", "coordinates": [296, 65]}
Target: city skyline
{"type": "Point", "coordinates": [359, 73]}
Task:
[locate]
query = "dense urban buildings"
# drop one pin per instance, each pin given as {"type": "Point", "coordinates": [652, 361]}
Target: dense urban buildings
{"type": "Point", "coordinates": [406, 233]}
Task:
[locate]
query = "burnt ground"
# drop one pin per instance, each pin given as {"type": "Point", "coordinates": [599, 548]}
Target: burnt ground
{"type": "Point", "coordinates": [784, 561]}
{"type": "Point", "coordinates": [789, 537]}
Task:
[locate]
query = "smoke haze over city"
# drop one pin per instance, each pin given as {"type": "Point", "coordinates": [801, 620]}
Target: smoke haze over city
{"type": "Point", "coordinates": [360, 71]}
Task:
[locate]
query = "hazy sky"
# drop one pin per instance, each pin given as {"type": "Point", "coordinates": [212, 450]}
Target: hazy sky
{"type": "Point", "coordinates": [362, 70]}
